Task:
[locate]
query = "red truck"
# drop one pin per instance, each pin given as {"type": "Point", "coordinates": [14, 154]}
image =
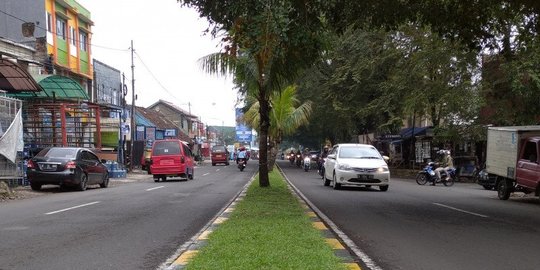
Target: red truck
{"type": "Point", "coordinates": [513, 159]}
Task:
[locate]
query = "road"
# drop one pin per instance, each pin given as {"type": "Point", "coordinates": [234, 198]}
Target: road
{"type": "Point", "coordinates": [425, 227]}
{"type": "Point", "coordinates": [126, 226]}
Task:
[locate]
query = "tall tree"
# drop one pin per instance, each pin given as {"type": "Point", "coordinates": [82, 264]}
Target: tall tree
{"type": "Point", "coordinates": [281, 38]}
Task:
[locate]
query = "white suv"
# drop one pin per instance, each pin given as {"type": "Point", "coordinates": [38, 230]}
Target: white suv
{"type": "Point", "coordinates": [356, 165]}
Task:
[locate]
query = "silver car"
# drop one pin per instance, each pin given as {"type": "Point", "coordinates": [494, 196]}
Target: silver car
{"type": "Point", "coordinates": [356, 165]}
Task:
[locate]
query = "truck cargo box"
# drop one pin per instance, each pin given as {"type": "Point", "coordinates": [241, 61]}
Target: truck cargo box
{"type": "Point", "coordinates": [503, 145]}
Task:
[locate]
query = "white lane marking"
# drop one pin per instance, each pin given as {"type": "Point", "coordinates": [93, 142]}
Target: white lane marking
{"type": "Point", "coordinates": [71, 208]}
{"type": "Point", "coordinates": [206, 174]}
{"type": "Point", "coordinates": [150, 189]}
{"type": "Point", "coordinates": [461, 210]}
{"type": "Point", "coordinates": [217, 170]}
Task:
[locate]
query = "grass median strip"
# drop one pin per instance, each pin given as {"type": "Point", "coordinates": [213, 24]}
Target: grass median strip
{"type": "Point", "coordinates": [267, 230]}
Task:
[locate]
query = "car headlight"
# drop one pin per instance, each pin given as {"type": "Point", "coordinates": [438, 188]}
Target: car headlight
{"type": "Point", "coordinates": [382, 169]}
{"type": "Point", "coordinates": [344, 167]}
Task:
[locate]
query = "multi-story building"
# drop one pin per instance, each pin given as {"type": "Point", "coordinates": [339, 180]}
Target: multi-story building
{"type": "Point", "coordinates": [60, 32]}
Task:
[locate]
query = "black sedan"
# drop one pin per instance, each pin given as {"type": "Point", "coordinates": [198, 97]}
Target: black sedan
{"type": "Point", "coordinates": [67, 166]}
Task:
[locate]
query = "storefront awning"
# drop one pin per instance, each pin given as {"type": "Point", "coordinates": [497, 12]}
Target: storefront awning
{"type": "Point", "coordinates": [15, 79]}
{"type": "Point", "coordinates": [60, 87]}
{"type": "Point", "coordinates": [408, 132]}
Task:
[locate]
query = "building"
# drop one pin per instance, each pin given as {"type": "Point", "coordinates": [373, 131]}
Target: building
{"type": "Point", "coordinates": [183, 120]}
{"type": "Point", "coordinates": [58, 30]}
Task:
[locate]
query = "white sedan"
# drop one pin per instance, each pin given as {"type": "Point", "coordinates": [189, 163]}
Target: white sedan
{"type": "Point", "coordinates": [356, 165]}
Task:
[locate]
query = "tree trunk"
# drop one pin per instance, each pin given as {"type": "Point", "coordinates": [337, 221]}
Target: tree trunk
{"type": "Point", "coordinates": [264, 111]}
{"type": "Point", "coordinates": [272, 152]}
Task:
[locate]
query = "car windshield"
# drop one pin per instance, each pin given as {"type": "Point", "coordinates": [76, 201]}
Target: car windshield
{"type": "Point", "coordinates": [359, 152]}
{"type": "Point", "coordinates": [67, 153]}
{"type": "Point", "coordinates": [218, 149]}
{"type": "Point", "coordinates": [166, 148]}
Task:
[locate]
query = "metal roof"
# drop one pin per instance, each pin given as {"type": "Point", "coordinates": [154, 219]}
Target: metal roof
{"type": "Point", "coordinates": [60, 87]}
{"type": "Point", "coordinates": [15, 79]}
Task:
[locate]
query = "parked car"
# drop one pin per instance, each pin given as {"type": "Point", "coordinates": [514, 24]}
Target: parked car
{"type": "Point", "coordinates": [219, 154]}
{"type": "Point", "coordinates": [171, 158]}
{"type": "Point", "coordinates": [356, 165]}
{"type": "Point", "coordinates": [67, 166]}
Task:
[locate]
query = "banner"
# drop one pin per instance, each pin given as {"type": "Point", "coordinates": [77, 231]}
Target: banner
{"type": "Point", "coordinates": [243, 132]}
{"type": "Point", "coordinates": [12, 140]}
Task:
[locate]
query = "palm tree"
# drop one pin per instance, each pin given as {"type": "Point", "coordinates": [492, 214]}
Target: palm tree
{"type": "Point", "coordinates": [285, 117]}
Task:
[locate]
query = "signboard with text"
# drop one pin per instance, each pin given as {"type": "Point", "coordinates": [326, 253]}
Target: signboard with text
{"type": "Point", "coordinates": [243, 132]}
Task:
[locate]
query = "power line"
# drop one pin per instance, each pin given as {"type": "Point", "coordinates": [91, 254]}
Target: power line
{"type": "Point", "coordinates": [156, 79]}
{"type": "Point", "coordinates": [66, 37]}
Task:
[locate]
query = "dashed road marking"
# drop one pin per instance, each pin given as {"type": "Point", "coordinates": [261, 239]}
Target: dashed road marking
{"type": "Point", "coordinates": [71, 208]}
{"type": "Point", "coordinates": [154, 188]}
{"type": "Point", "coordinates": [460, 210]}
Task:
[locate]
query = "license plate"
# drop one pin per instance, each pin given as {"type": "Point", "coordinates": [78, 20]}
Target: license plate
{"type": "Point", "coordinates": [365, 177]}
{"type": "Point", "coordinates": [167, 162]}
{"type": "Point", "coordinates": [218, 155]}
{"type": "Point", "coordinates": [48, 167]}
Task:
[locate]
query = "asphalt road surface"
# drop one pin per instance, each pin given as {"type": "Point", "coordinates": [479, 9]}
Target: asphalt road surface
{"type": "Point", "coordinates": [126, 226]}
{"type": "Point", "coordinates": [430, 227]}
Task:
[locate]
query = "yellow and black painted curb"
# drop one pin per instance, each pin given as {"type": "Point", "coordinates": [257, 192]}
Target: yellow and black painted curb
{"type": "Point", "coordinates": [191, 248]}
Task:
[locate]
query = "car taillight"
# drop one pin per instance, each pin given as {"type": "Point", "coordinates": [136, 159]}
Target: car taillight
{"type": "Point", "coordinates": [30, 164]}
{"type": "Point", "coordinates": [71, 165]}
{"type": "Point", "coordinates": [182, 159]}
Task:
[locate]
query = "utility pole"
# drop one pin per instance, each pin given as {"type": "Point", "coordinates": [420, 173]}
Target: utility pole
{"type": "Point", "coordinates": [131, 158]}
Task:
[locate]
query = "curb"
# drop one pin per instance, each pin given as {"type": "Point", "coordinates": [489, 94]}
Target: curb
{"type": "Point", "coordinates": [189, 249]}
{"type": "Point", "coordinates": [344, 248]}
{"type": "Point", "coordinates": [352, 257]}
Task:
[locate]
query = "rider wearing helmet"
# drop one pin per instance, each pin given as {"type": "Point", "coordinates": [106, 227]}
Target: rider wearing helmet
{"type": "Point", "coordinates": [242, 154]}
{"type": "Point", "coordinates": [446, 164]}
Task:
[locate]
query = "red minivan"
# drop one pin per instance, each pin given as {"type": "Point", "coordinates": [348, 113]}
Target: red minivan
{"type": "Point", "coordinates": [171, 158]}
{"type": "Point", "coordinates": [219, 154]}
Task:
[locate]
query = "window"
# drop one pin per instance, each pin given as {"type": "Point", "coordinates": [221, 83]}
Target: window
{"type": "Point", "coordinates": [166, 148]}
{"type": "Point", "coordinates": [49, 22]}
{"type": "Point", "coordinates": [61, 28]}
{"type": "Point", "coordinates": [529, 153]}
{"type": "Point", "coordinates": [72, 36]}
{"type": "Point", "coordinates": [83, 40]}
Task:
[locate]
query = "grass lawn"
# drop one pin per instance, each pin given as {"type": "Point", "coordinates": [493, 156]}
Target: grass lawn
{"type": "Point", "coordinates": [267, 230]}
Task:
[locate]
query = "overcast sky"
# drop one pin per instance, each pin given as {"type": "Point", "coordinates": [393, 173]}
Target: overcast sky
{"type": "Point", "coordinates": [168, 42]}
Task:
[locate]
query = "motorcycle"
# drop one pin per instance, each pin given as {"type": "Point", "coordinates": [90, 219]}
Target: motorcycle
{"type": "Point", "coordinates": [291, 158]}
{"type": "Point", "coordinates": [298, 160]}
{"type": "Point", "coordinates": [241, 164]}
{"type": "Point", "coordinates": [427, 174]}
{"type": "Point", "coordinates": [320, 164]}
{"type": "Point", "coordinates": [307, 163]}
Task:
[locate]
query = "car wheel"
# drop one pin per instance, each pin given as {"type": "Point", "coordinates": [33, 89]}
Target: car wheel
{"type": "Point", "coordinates": [35, 186]}
{"type": "Point", "coordinates": [335, 184]}
{"type": "Point", "coordinates": [83, 182]}
{"type": "Point", "coordinates": [213, 164]}
{"type": "Point", "coordinates": [503, 189]}
{"type": "Point", "coordinates": [326, 181]}
{"type": "Point", "coordinates": [105, 182]}
{"type": "Point", "coordinates": [383, 188]}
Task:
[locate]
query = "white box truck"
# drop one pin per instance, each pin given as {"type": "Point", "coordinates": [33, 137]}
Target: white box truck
{"type": "Point", "coordinates": [513, 159]}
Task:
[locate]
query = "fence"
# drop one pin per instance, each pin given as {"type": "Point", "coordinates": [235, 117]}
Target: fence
{"type": "Point", "coordinates": [12, 173]}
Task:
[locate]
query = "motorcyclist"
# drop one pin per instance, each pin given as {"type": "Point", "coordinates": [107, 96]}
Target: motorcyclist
{"type": "Point", "coordinates": [323, 155]}
{"type": "Point", "coordinates": [242, 155]}
{"type": "Point", "coordinates": [446, 164]}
